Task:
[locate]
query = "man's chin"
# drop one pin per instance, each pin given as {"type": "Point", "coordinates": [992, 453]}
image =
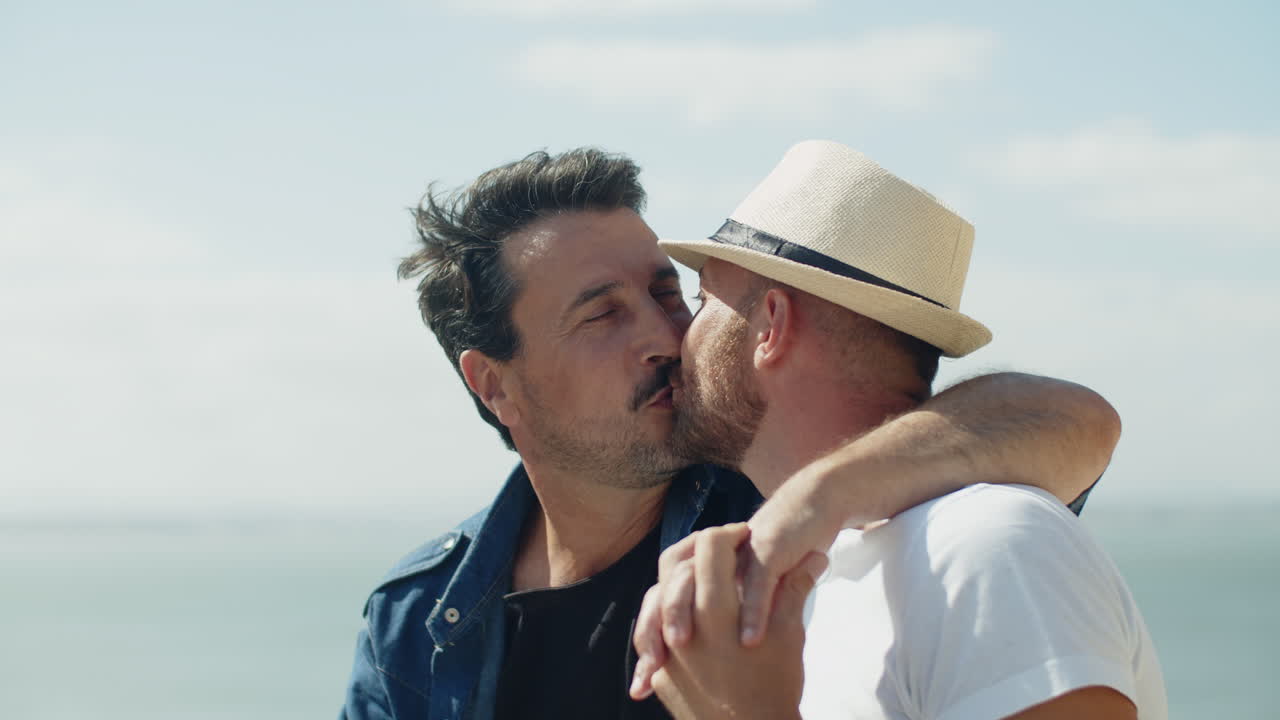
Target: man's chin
{"type": "Point", "coordinates": [658, 465]}
{"type": "Point", "coordinates": [658, 424]}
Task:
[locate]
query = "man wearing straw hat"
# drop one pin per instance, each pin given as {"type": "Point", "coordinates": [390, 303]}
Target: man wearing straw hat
{"type": "Point", "coordinates": [553, 302]}
{"type": "Point", "coordinates": [827, 297]}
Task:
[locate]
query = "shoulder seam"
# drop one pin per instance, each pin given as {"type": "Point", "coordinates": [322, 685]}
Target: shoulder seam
{"type": "Point", "coordinates": [424, 565]}
{"type": "Point", "coordinates": [443, 549]}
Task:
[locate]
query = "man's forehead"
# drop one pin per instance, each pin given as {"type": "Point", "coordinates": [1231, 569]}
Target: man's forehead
{"type": "Point", "coordinates": [586, 252]}
{"type": "Point", "coordinates": [582, 237]}
{"type": "Point", "coordinates": [600, 280]}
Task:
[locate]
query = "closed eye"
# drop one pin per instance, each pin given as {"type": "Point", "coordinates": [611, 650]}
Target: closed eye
{"type": "Point", "coordinates": [671, 298]}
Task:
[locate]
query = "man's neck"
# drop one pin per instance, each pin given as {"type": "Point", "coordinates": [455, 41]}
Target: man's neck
{"type": "Point", "coordinates": [805, 423]}
{"type": "Point", "coordinates": [580, 527]}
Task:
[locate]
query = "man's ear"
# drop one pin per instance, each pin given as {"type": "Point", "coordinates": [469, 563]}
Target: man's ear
{"type": "Point", "coordinates": [484, 376]}
{"type": "Point", "coordinates": [773, 327]}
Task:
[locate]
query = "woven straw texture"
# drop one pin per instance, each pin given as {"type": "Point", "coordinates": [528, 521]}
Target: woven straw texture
{"type": "Point", "coordinates": [832, 199]}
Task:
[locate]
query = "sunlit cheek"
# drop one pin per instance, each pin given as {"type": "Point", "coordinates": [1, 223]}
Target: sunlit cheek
{"type": "Point", "coordinates": [690, 334]}
{"type": "Point", "coordinates": [601, 370]}
{"type": "Point", "coordinates": [693, 339]}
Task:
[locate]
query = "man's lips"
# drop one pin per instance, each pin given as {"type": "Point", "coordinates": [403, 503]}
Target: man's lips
{"type": "Point", "coordinates": [656, 392]}
{"type": "Point", "coordinates": [662, 398]}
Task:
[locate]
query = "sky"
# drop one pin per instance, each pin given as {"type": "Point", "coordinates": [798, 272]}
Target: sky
{"type": "Point", "coordinates": [202, 205]}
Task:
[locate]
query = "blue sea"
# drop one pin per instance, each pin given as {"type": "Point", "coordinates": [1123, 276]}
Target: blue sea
{"type": "Point", "coordinates": [255, 617]}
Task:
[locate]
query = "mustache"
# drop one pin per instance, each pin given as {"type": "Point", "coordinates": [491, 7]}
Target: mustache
{"type": "Point", "coordinates": [646, 390]}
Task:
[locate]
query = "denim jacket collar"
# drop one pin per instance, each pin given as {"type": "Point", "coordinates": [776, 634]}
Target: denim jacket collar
{"type": "Point", "coordinates": [485, 569]}
{"type": "Point", "coordinates": [686, 498]}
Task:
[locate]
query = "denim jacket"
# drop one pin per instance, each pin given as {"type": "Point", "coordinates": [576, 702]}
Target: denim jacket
{"type": "Point", "coordinates": [433, 641]}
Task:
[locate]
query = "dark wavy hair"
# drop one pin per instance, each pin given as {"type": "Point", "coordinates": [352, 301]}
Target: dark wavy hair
{"type": "Point", "coordinates": [466, 291]}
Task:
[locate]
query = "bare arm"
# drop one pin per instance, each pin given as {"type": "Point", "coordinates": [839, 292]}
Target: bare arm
{"type": "Point", "coordinates": [999, 428]}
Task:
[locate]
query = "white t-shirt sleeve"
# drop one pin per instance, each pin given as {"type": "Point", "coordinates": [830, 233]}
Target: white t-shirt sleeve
{"type": "Point", "coordinates": [1003, 601]}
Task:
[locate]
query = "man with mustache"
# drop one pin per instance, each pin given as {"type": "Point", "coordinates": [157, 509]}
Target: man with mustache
{"type": "Point", "coordinates": [827, 296]}
{"type": "Point", "coordinates": [550, 297]}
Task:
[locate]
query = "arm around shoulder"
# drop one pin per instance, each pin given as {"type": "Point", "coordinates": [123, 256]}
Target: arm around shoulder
{"type": "Point", "coordinates": [1001, 428]}
{"type": "Point", "coordinates": [1034, 430]}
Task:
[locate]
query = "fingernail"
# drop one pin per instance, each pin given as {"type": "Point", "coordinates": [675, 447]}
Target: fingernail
{"type": "Point", "coordinates": [749, 633]}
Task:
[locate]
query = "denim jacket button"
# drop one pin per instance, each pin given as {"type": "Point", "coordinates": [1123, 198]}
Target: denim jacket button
{"type": "Point", "coordinates": [451, 615]}
{"type": "Point", "coordinates": [448, 544]}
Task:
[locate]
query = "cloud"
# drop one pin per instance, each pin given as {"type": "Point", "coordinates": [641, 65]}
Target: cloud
{"type": "Point", "coordinates": [1126, 171]}
{"type": "Point", "coordinates": [65, 220]}
{"type": "Point", "coordinates": [542, 9]}
{"type": "Point", "coordinates": [143, 373]}
{"type": "Point", "coordinates": [899, 69]}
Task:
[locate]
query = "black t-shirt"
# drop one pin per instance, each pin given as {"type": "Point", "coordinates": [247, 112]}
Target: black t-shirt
{"type": "Point", "coordinates": [569, 652]}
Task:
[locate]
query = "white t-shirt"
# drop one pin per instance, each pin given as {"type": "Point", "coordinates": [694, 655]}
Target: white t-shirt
{"type": "Point", "coordinates": [974, 606]}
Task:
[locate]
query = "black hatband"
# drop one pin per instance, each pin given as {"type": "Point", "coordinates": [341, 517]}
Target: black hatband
{"type": "Point", "coordinates": [735, 233]}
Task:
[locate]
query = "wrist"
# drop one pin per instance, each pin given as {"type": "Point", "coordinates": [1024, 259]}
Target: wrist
{"type": "Point", "coordinates": [839, 487]}
{"type": "Point", "coordinates": [857, 487]}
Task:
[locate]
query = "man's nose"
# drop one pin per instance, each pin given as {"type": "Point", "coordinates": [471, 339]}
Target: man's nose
{"type": "Point", "coordinates": [662, 337]}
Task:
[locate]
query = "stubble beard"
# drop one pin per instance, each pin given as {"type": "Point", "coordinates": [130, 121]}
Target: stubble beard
{"type": "Point", "coordinates": [720, 405]}
{"type": "Point", "coordinates": [613, 452]}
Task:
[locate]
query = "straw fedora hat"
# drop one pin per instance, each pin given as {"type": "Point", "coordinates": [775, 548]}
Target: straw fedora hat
{"type": "Point", "coordinates": [830, 221]}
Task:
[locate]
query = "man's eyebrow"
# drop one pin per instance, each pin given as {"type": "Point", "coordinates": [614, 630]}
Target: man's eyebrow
{"type": "Point", "coordinates": [665, 273]}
